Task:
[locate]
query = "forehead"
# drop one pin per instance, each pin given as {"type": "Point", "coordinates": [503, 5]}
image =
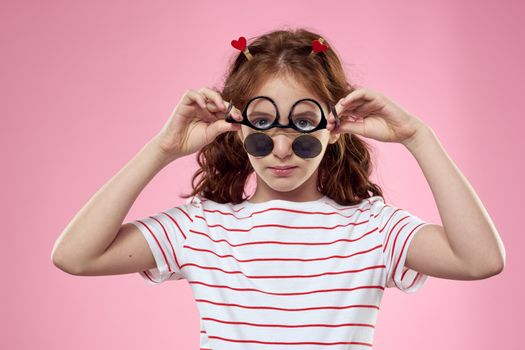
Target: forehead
{"type": "Point", "coordinates": [285, 90]}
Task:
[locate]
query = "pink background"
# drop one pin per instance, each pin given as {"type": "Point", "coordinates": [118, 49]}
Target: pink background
{"type": "Point", "coordinates": [84, 85]}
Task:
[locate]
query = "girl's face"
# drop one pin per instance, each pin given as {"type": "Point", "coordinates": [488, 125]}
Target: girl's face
{"type": "Point", "coordinates": [300, 184]}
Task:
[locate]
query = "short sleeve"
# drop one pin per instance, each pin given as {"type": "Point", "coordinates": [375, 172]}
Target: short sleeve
{"type": "Point", "coordinates": [166, 233]}
{"type": "Point", "coordinates": [397, 227]}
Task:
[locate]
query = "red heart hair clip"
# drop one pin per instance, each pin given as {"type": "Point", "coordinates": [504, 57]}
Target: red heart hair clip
{"type": "Point", "coordinates": [318, 46]}
{"type": "Point", "coordinates": [240, 44]}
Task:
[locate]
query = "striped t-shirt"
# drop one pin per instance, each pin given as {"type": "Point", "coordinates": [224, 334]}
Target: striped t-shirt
{"type": "Point", "coordinates": [283, 274]}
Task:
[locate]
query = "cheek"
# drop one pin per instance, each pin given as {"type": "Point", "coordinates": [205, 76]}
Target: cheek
{"type": "Point", "coordinates": [255, 162]}
{"type": "Point", "coordinates": [324, 137]}
{"type": "Point", "coordinates": [239, 135]}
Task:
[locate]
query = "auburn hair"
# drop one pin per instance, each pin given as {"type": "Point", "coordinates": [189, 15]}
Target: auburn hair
{"type": "Point", "coordinates": [224, 167]}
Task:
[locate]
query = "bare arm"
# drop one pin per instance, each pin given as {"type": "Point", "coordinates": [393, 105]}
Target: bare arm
{"type": "Point", "coordinates": [97, 224]}
{"type": "Point", "coordinates": [467, 245]}
{"type": "Point", "coordinates": [95, 242]}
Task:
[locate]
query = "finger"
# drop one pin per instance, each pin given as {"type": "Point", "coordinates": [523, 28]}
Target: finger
{"type": "Point", "coordinates": [359, 94]}
{"type": "Point", "coordinates": [345, 117]}
{"type": "Point", "coordinates": [363, 110]}
{"type": "Point", "coordinates": [354, 100]}
{"type": "Point", "coordinates": [331, 121]}
{"type": "Point", "coordinates": [220, 108]}
{"type": "Point", "coordinates": [236, 113]}
{"type": "Point", "coordinates": [215, 97]}
{"type": "Point", "coordinates": [363, 107]}
{"type": "Point", "coordinates": [200, 99]}
{"type": "Point", "coordinates": [220, 126]}
{"type": "Point", "coordinates": [232, 112]}
{"type": "Point", "coordinates": [193, 96]}
{"type": "Point", "coordinates": [355, 118]}
{"type": "Point", "coordinates": [352, 126]}
{"type": "Point", "coordinates": [367, 108]}
{"type": "Point", "coordinates": [353, 105]}
{"type": "Point", "coordinates": [358, 111]}
{"type": "Point", "coordinates": [358, 101]}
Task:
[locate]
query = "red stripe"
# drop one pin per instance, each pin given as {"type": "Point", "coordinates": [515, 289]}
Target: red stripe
{"type": "Point", "coordinates": [290, 325]}
{"type": "Point", "coordinates": [284, 294]}
{"type": "Point", "coordinates": [146, 273]}
{"type": "Point", "coordinates": [281, 242]}
{"type": "Point", "coordinates": [386, 206]}
{"type": "Point", "coordinates": [402, 249]}
{"type": "Point", "coordinates": [223, 213]}
{"type": "Point", "coordinates": [279, 259]}
{"type": "Point", "coordinates": [395, 241]}
{"type": "Point", "coordinates": [287, 343]}
{"type": "Point", "coordinates": [158, 243]}
{"type": "Point", "coordinates": [418, 276]}
{"type": "Point", "coordinates": [405, 270]}
{"type": "Point", "coordinates": [390, 232]}
{"type": "Point", "coordinates": [288, 309]}
{"type": "Point", "coordinates": [176, 224]}
{"type": "Point", "coordinates": [189, 218]}
{"type": "Point", "coordinates": [282, 226]}
{"type": "Point", "coordinates": [169, 241]}
{"type": "Point", "coordinates": [390, 218]}
{"type": "Point", "coordinates": [284, 276]}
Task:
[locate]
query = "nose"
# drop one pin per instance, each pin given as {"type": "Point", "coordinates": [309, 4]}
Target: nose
{"type": "Point", "coordinates": [282, 146]}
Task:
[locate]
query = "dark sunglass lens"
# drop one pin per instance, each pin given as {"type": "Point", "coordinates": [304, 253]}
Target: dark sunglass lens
{"type": "Point", "coordinates": [258, 144]}
{"type": "Point", "coordinates": [307, 146]}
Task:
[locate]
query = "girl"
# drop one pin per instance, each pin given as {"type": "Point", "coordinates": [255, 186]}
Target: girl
{"type": "Point", "coordinates": [306, 259]}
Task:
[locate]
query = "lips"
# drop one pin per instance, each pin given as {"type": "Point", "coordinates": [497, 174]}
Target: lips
{"type": "Point", "coordinates": [283, 167]}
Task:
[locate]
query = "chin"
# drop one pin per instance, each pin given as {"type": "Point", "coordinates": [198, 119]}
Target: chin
{"type": "Point", "coordinates": [285, 187]}
{"type": "Point", "coordinates": [283, 183]}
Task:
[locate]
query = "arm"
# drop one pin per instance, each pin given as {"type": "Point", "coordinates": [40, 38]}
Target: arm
{"type": "Point", "coordinates": [97, 224]}
{"type": "Point", "coordinates": [468, 240]}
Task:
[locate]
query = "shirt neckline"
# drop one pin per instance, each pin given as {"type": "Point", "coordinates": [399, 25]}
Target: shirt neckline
{"type": "Point", "coordinates": [284, 202]}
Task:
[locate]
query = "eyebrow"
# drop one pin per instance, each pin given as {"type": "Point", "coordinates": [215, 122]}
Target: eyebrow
{"type": "Point", "coordinates": [322, 104]}
{"type": "Point", "coordinates": [302, 98]}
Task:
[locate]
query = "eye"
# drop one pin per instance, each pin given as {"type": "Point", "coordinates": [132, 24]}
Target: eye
{"type": "Point", "coordinates": [305, 124]}
{"type": "Point", "coordinates": [262, 125]}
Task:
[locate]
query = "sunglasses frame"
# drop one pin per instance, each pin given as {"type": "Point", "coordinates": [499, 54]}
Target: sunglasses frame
{"type": "Point", "coordinates": [276, 124]}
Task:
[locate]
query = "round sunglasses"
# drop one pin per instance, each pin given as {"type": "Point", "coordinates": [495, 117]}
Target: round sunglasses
{"type": "Point", "coordinates": [260, 144]}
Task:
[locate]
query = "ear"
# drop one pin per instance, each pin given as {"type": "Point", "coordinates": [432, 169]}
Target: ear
{"type": "Point", "coordinates": [333, 137]}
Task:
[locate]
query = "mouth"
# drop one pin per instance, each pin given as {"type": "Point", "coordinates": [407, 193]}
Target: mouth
{"type": "Point", "coordinates": [282, 170]}
{"type": "Point", "coordinates": [283, 167]}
